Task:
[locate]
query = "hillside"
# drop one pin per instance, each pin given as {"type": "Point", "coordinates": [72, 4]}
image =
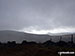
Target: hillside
{"type": "Point", "coordinates": [47, 48]}
{"type": "Point", "coordinates": [20, 36]}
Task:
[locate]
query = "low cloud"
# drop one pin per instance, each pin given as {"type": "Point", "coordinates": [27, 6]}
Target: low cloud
{"type": "Point", "coordinates": [37, 15]}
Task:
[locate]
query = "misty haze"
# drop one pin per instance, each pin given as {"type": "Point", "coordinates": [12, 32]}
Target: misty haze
{"type": "Point", "coordinates": [36, 27]}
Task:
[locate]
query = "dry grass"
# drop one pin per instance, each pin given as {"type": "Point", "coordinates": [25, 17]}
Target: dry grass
{"type": "Point", "coordinates": [33, 50]}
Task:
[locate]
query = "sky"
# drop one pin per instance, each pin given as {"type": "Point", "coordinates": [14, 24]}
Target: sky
{"type": "Point", "coordinates": [38, 16]}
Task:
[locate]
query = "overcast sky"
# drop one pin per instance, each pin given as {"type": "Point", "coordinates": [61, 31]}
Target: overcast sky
{"type": "Point", "coordinates": [38, 16]}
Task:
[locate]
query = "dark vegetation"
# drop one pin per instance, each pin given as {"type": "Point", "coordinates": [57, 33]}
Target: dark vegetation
{"type": "Point", "coordinates": [48, 48]}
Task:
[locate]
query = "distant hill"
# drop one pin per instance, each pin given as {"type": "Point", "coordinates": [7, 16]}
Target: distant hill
{"type": "Point", "coordinates": [8, 35]}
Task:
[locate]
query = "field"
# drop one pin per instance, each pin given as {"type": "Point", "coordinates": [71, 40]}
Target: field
{"type": "Point", "coordinates": [32, 50]}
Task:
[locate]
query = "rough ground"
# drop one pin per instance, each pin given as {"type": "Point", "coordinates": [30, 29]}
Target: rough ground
{"type": "Point", "coordinates": [33, 50]}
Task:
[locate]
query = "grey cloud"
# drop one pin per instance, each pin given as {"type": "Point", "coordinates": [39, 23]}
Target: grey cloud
{"type": "Point", "coordinates": [46, 14]}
